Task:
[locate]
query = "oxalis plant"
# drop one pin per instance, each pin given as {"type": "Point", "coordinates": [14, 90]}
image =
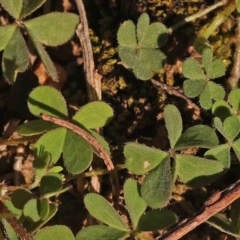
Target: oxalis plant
{"type": "Point", "coordinates": [76, 140]}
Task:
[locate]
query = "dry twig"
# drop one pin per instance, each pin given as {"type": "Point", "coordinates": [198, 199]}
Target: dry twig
{"type": "Point", "coordinates": [213, 205]}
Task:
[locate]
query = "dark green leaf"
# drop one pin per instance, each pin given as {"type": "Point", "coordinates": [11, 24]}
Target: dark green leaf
{"type": "Point", "coordinates": [128, 55]}
{"type": "Point", "coordinates": [20, 197]}
{"type": "Point", "coordinates": [192, 88]}
{"type": "Point", "coordinates": [197, 136]}
{"type": "Point", "coordinates": [35, 127]}
{"type": "Point", "coordinates": [15, 56]}
{"type": "Point", "coordinates": [156, 219]}
{"type": "Point", "coordinates": [192, 70]}
{"type": "Point", "coordinates": [93, 115]}
{"type": "Point", "coordinates": [220, 153]}
{"type": "Point", "coordinates": [44, 208]}
{"type": "Point", "coordinates": [236, 148]}
{"type": "Point", "coordinates": [173, 122]}
{"type": "Point", "coordinates": [135, 204]}
{"type": "Point", "coordinates": [77, 153]}
{"type": "Point", "coordinates": [217, 123]}
{"type": "Point", "coordinates": [100, 232]}
{"type": "Point", "coordinates": [157, 186]}
{"type": "Point", "coordinates": [103, 211]}
{"type": "Point", "coordinates": [58, 27]}
{"type": "Point", "coordinates": [141, 159]}
{"type": "Point", "coordinates": [196, 171]}
{"type": "Point", "coordinates": [48, 100]}
{"type": "Point", "coordinates": [221, 109]}
{"type": "Point", "coordinates": [50, 184]}
{"type": "Point", "coordinates": [13, 7]}
{"type": "Point", "coordinates": [54, 233]}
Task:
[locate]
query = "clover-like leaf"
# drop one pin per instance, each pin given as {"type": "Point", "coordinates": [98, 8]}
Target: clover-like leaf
{"type": "Point", "coordinates": [47, 100]}
{"type": "Point", "coordinates": [156, 219]}
{"type": "Point", "coordinates": [192, 70]}
{"type": "Point", "coordinates": [128, 55]}
{"type": "Point", "coordinates": [15, 56]}
{"type": "Point", "coordinates": [197, 136]}
{"type": "Point", "coordinates": [234, 99]}
{"type": "Point", "coordinates": [141, 159]}
{"type": "Point", "coordinates": [54, 233]}
{"type": "Point", "coordinates": [100, 232]}
{"type": "Point", "coordinates": [205, 98]}
{"type": "Point", "coordinates": [196, 171]}
{"type": "Point", "coordinates": [231, 128]}
{"type": "Point", "coordinates": [156, 188]}
{"type": "Point", "coordinates": [217, 91]}
{"type": "Point", "coordinates": [93, 115]}
{"type": "Point", "coordinates": [142, 26]}
{"type": "Point", "coordinates": [207, 58]}
{"type": "Point", "coordinates": [50, 184]}
{"type": "Point", "coordinates": [192, 88]}
{"type": "Point", "coordinates": [35, 127]}
{"type": "Point", "coordinates": [31, 210]}
{"type": "Point", "coordinates": [173, 122]}
{"type": "Point", "coordinates": [65, 23]}
{"type": "Point", "coordinates": [220, 153]}
{"type": "Point", "coordinates": [103, 211]}
{"type": "Point", "coordinates": [134, 202]}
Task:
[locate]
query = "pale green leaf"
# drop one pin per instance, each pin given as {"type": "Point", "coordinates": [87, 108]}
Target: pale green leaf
{"type": "Point", "coordinates": [54, 233]}
{"type": "Point", "coordinates": [217, 123]}
{"type": "Point", "coordinates": [173, 121]}
{"type": "Point", "coordinates": [234, 99]}
{"type": "Point", "coordinates": [29, 6]}
{"type": "Point", "coordinates": [196, 171]}
{"type": "Point", "coordinates": [77, 153]}
{"type": "Point", "coordinates": [35, 127]}
{"type": "Point", "coordinates": [192, 88]}
{"type": "Point", "coordinates": [207, 58]}
{"type": "Point", "coordinates": [44, 57]}
{"type": "Point", "coordinates": [6, 33]}
{"type": "Point", "coordinates": [48, 100]}
{"type": "Point", "coordinates": [141, 159]}
{"type": "Point", "coordinates": [236, 148]}
{"type": "Point", "coordinates": [220, 153]}
{"type": "Point", "coordinates": [127, 35]}
{"type": "Point", "coordinates": [135, 204]}
{"type": "Point", "coordinates": [13, 7]}
{"type": "Point", "coordinates": [140, 70]}
{"type": "Point", "coordinates": [93, 115]}
{"type": "Point", "coordinates": [53, 29]}
{"type": "Point", "coordinates": [197, 136]}
{"type": "Point", "coordinates": [156, 188]}
{"type": "Point", "coordinates": [44, 208]}
{"type": "Point", "coordinates": [231, 128]}
{"type": "Point", "coordinates": [15, 56]}
{"type": "Point", "coordinates": [192, 70]}
{"type": "Point", "coordinates": [102, 210]}
{"type": "Point", "coordinates": [100, 232]}
{"type": "Point", "coordinates": [128, 55]}
{"type": "Point", "coordinates": [31, 210]}
{"type": "Point", "coordinates": [157, 219]}
{"type": "Point", "coordinates": [12, 235]}
{"type": "Point", "coordinates": [238, 5]}
{"type": "Point", "coordinates": [102, 142]}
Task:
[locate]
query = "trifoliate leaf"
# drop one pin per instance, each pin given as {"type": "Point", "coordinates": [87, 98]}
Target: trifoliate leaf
{"type": "Point", "coordinates": [192, 70]}
{"type": "Point", "coordinates": [207, 58]}
{"type": "Point", "coordinates": [222, 110]}
{"type": "Point", "coordinates": [231, 128]}
{"type": "Point", "coordinates": [6, 33]}
{"type": "Point", "coordinates": [192, 88]}
{"type": "Point", "coordinates": [142, 26]}
{"type": "Point", "coordinates": [217, 69]}
{"type": "Point", "coordinates": [217, 91]}
{"type": "Point", "coordinates": [173, 121]}
{"type": "Point", "coordinates": [234, 99]}
{"type": "Point", "coordinates": [205, 98]}
{"type": "Point", "coordinates": [128, 55]}
{"type": "Point", "coordinates": [20, 197]}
